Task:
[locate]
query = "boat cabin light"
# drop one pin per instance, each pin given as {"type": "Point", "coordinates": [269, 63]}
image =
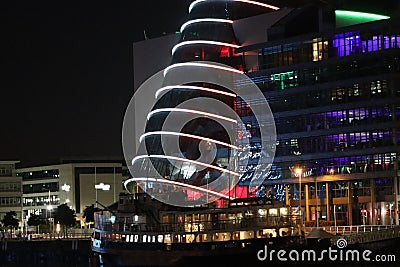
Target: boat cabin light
{"type": "Point", "coordinates": [273, 212]}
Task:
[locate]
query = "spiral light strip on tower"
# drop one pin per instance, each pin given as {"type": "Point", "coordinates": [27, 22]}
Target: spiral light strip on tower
{"type": "Point", "coordinates": [207, 36]}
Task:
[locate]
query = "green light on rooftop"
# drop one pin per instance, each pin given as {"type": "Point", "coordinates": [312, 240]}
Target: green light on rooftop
{"type": "Point", "coordinates": [347, 18]}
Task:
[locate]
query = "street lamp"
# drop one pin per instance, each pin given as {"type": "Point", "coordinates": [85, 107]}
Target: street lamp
{"type": "Point", "coordinates": [299, 172]}
{"type": "Point", "coordinates": [50, 208]}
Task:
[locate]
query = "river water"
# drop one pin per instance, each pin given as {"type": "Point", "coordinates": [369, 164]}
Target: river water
{"type": "Point", "coordinates": [55, 256]}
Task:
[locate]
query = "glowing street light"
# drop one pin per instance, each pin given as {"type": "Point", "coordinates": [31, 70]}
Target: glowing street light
{"type": "Point", "coordinates": [50, 209]}
{"type": "Point", "coordinates": [299, 173]}
{"type": "Point", "coordinates": [58, 228]}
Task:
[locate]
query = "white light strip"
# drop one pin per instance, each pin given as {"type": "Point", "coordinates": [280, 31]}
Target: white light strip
{"type": "Point", "coordinates": [204, 20]}
{"type": "Point", "coordinates": [202, 42]}
{"type": "Point", "coordinates": [165, 181]}
{"type": "Point", "coordinates": [190, 111]}
{"type": "Point", "coordinates": [185, 160]}
{"type": "Point", "coordinates": [198, 64]}
{"type": "Point", "coordinates": [167, 88]}
{"type": "Point", "coordinates": [189, 136]}
{"type": "Point", "coordinates": [195, 3]}
{"type": "Point", "coordinates": [192, 5]}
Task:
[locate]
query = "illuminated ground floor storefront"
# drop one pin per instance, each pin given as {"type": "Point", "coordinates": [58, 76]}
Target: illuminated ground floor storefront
{"type": "Point", "coordinates": [329, 200]}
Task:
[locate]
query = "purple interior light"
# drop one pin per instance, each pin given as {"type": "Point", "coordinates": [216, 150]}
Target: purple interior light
{"type": "Point", "coordinates": [351, 43]}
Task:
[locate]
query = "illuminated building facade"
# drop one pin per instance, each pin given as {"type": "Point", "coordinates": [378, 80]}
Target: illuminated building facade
{"type": "Point", "coordinates": [331, 78]}
{"type": "Point", "coordinates": [10, 190]}
{"type": "Point", "coordinates": [78, 184]}
{"type": "Point", "coordinates": [334, 92]}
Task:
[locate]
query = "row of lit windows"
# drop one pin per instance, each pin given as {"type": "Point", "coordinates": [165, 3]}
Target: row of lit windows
{"type": "Point", "coordinates": [348, 165]}
{"type": "Point", "coordinates": [41, 201]}
{"type": "Point", "coordinates": [341, 94]}
{"type": "Point", "coordinates": [288, 54]}
{"type": "Point", "coordinates": [381, 189]}
{"type": "Point", "coordinates": [37, 175]}
{"type": "Point", "coordinates": [359, 90]}
{"type": "Point", "coordinates": [327, 73]}
{"type": "Point", "coordinates": [347, 44]}
{"type": "Point", "coordinates": [40, 188]}
{"type": "Point", "coordinates": [336, 119]}
{"type": "Point", "coordinates": [320, 167]}
{"type": "Point", "coordinates": [358, 188]}
{"type": "Point", "coordinates": [332, 143]}
{"type": "Point", "coordinates": [340, 45]}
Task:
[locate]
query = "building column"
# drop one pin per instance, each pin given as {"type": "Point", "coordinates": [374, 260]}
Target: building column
{"type": "Point", "coordinates": [373, 200]}
{"type": "Point", "coordinates": [396, 184]}
{"type": "Point", "coordinates": [307, 203]}
{"type": "Point", "coordinates": [349, 204]}
{"type": "Point", "coordinates": [287, 195]}
{"type": "Point", "coordinates": [328, 202]}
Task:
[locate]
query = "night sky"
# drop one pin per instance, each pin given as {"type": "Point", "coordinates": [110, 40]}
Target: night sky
{"type": "Point", "coordinates": [67, 74]}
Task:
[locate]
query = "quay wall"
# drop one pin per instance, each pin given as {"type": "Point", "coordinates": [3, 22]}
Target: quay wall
{"type": "Point", "coordinates": [59, 252]}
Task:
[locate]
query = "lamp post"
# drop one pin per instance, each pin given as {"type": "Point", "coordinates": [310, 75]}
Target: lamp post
{"type": "Point", "coordinates": [334, 216]}
{"type": "Point", "coordinates": [299, 172]}
{"type": "Point", "coordinates": [50, 208]}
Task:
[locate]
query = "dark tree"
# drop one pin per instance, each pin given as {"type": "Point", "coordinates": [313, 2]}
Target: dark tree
{"type": "Point", "coordinates": [65, 216]}
{"type": "Point", "coordinates": [9, 220]}
{"type": "Point", "coordinates": [35, 220]}
{"type": "Point", "coordinates": [88, 213]}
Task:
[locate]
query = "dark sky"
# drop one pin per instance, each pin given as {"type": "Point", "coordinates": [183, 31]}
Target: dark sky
{"type": "Point", "coordinates": [67, 74]}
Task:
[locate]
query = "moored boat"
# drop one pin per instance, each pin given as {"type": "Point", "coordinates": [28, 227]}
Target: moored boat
{"type": "Point", "coordinates": [142, 231]}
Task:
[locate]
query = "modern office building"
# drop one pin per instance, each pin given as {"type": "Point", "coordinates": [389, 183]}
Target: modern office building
{"type": "Point", "coordinates": [10, 190]}
{"type": "Point", "coordinates": [78, 184]}
{"type": "Point", "coordinates": [332, 80]}
{"type": "Point", "coordinates": [334, 92]}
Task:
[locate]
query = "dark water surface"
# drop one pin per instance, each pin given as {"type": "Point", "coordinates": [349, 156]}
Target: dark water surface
{"type": "Point", "coordinates": [78, 254]}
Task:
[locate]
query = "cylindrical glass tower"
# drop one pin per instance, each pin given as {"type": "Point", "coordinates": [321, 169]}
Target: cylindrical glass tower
{"type": "Point", "coordinates": [191, 150]}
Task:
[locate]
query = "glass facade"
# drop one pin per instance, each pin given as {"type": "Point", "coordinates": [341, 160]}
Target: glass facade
{"type": "Point", "coordinates": [39, 175]}
{"type": "Point", "coordinates": [41, 201]}
{"type": "Point", "coordinates": [208, 35]}
{"type": "Point", "coordinates": [335, 99]}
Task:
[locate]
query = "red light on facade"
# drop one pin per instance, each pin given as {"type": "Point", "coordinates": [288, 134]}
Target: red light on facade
{"type": "Point", "coordinates": [225, 51]}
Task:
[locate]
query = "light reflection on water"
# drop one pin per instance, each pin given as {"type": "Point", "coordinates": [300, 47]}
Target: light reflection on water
{"type": "Point", "coordinates": [87, 261]}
